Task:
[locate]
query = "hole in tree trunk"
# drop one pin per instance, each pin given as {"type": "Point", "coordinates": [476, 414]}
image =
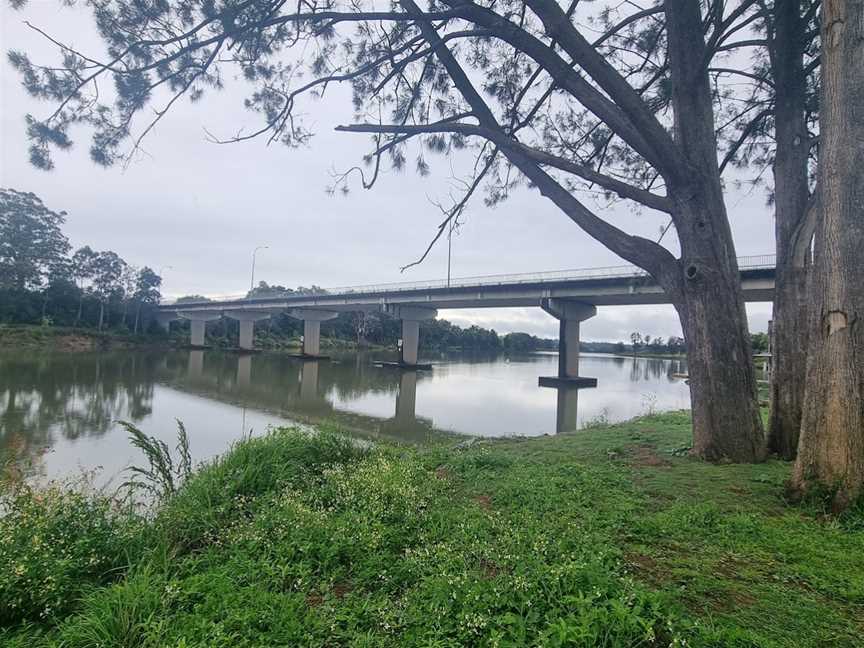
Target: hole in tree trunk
{"type": "Point", "coordinates": [692, 271]}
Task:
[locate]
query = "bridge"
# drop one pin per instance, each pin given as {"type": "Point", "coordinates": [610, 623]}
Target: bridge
{"type": "Point", "coordinates": [571, 296]}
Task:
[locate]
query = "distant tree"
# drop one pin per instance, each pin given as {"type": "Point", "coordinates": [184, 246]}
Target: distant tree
{"type": "Point", "coordinates": [128, 279]}
{"type": "Point", "coordinates": [83, 267]}
{"type": "Point", "coordinates": [636, 341]}
{"type": "Point", "coordinates": [264, 290]}
{"type": "Point", "coordinates": [620, 347]}
{"type": "Point", "coordinates": [675, 344]}
{"type": "Point", "coordinates": [759, 341]}
{"type": "Point", "coordinates": [107, 274]}
{"type": "Point", "coordinates": [188, 299]}
{"type": "Point", "coordinates": [146, 292]}
{"type": "Point", "coordinates": [31, 242]}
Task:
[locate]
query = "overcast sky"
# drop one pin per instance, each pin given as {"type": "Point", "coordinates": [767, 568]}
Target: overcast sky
{"type": "Point", "coordinates": [201, 208]}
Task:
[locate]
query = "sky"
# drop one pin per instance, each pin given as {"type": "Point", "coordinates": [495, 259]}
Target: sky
{"type": "Point", "coordinates": [194, 211]}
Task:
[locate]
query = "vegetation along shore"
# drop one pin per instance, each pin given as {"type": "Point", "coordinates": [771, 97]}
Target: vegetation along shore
{"type": "Point", "coordinates": [613, 537]}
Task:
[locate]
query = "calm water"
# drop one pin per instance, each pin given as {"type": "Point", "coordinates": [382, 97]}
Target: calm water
{"type": "Point", "coordinates": [61, 410]}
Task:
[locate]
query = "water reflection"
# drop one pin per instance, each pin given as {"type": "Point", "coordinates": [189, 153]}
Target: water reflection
{"type": "Point", "coordinates": [70, 403]}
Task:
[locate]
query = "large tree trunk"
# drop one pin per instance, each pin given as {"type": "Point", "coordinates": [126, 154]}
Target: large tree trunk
{"type": "Point", "coordinates": [791, 235]}
{"type": "Point", "coordinates": [101, 314]}
{"type": "Point", "coordinates": [831, 448]}
{"type": "Point", "coordinates": [707, 293]}
{"type": "Point", "coordinates": [726, 422]}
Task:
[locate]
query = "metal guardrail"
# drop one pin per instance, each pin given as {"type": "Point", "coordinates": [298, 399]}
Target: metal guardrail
{"type": "Point", "coordinates": [757, 262]}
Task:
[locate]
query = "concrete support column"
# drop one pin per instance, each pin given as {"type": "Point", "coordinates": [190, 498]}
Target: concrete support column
{"type": "Point", "coordinates": [566, 414]}
{"type": "Point", "coordinates": [247, 321]}
{"type": "Point", "coordinates": [410, 342]}
{"type": "Point", "coordinates": [312, 328]}
{"type": "Point", "coordinates": [197, 329]}
{"type": "Point", "coordinates": [411, 317]}
{"type": "Point", "coordinates": [198, 324]}
{"type": "Point", "coordinates": [311, 337]}
{"type": "Point", "coordinates": [569, 314]}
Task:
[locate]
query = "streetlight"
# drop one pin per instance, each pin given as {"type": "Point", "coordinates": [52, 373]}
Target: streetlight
{"type": "Point", "coordinates": [254, 253]}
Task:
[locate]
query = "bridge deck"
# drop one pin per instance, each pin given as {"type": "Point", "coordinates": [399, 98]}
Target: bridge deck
{"type": "Point", "coordinates": [618, 285]}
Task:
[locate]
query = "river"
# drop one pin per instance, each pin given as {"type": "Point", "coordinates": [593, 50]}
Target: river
{"type": "Point", "coordinates": [59, 412]}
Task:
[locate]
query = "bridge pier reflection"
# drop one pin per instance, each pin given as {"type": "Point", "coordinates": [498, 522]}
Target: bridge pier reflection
{"type": "Point", "coordinates": [244, 370]}
{"type": "Point", "coordinates": [195, 367]}
{"type": "Point", "coordinates": [309, 381]}
{"type": "Point", "coordinates": [406, 398]}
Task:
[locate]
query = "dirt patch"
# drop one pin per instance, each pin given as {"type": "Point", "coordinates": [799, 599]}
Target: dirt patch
{"type": "Point", "coordinates": [645, 455]}
{"type": "Point", "coordinates": [314, 600]}
{"type": "Point", "coordinates": [646, 568]}
{"type": "Point", "coordinates": [74, 343]}
{"type": "Point", "coordinates": [489, 569]}
{"type": "Point", "coordinates": [442, 472]}
{"type": "Point", "coordinates": [339, 590]}
{"type": "Point", "coordinates": [484, 501]}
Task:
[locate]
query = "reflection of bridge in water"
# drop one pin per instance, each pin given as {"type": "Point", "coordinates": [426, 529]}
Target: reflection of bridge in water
{"type": "Point", "coordinates": [308, 389]}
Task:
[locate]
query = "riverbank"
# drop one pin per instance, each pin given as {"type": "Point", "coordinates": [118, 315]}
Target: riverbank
{"type": "Point", "coordinates": [609, 537]}
{"type": "Point", "coordinates": [69, 339]}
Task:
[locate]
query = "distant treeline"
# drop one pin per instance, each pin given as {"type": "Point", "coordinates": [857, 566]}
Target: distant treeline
{"type": "Point", "coordinates": [42, 281]}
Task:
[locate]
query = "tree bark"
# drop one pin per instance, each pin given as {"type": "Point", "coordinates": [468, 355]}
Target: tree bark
{"type": "Point", "coordinates": [831, 447]}
{"type": "Point", "coordinates": [707, 291]}
{"type": "Point", "coordinates": [791, 193]}
{"type": "Point", "coordinates": [101, 314]}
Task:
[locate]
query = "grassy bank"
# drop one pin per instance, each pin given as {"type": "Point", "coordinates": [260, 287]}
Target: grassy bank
{"type": "Point", "coordinates": [59, 338]}
{"type": "Point", "coordinates": [609, 537]}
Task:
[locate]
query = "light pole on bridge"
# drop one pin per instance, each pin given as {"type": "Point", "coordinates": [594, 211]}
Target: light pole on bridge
{"type": "Point", "coordinates": [254, 253]}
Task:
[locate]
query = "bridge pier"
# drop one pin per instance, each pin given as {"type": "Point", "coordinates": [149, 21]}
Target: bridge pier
{"type": "Point", "coordinates": [411, 317]}
{"type": "Point", "coordinates": [569, 313]}
{"type": "Point", "coordinates": [312, 328]}
{"type": "Point", "coordinates": [198, 324]}
{"type": "Point", "coordinates": [247, 320]}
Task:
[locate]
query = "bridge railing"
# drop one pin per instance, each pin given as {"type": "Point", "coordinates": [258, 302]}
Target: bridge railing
{"type": "Point", "coordinates": [757, 262]}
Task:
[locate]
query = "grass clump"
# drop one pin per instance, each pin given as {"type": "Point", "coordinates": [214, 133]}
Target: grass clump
{"type": "Point", "coordinates": [606, 538]}
{"type": "Point", "coordinates": [55, 544]}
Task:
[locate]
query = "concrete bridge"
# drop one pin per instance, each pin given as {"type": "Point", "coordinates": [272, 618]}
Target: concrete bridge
{"type": "Point", "coordinates": [571, 296]}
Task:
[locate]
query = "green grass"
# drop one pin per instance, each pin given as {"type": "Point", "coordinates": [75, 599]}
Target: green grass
{"type": "Point", "coordinates": [609, 537]}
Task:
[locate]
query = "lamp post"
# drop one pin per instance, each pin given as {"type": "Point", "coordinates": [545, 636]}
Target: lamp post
{"type": "Point", "coordinates": [254, 253]}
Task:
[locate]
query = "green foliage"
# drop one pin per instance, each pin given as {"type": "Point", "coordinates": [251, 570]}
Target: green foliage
{"type": "Point", "coordinates": [307, 539]}
{"type": "Point", "coordinates": [32, 245]}
{"type": "Point", "coordinates": [163, 474]}
{"type": "Point", "coordinates": [55, 544]}
{"type": "Point", "coordinates": [234, 485]}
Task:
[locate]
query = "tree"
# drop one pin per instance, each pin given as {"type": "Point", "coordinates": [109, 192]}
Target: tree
{"type": "Point", "coordinates": [636, 341]}
{"type": "Point", "coordinates": [831, 446]}
{"type": "Point", "coordinates": [32, 246]}
{"type": "Point", "coordinates": [107, 274]}
{"type": "Point", "coordinates": [83, 269]}
{"type": "Point", "coordinates": [147, 284]}
{"type": "Point", "coordinates": [556, 110]}
{"type": "Point", "coordinates": [775, 122]}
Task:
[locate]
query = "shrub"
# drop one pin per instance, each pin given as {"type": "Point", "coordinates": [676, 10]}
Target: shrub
{"type": "Point", "coordinates": [54, 544]}
{"type": "Point", "coordinates": [229, 487]}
